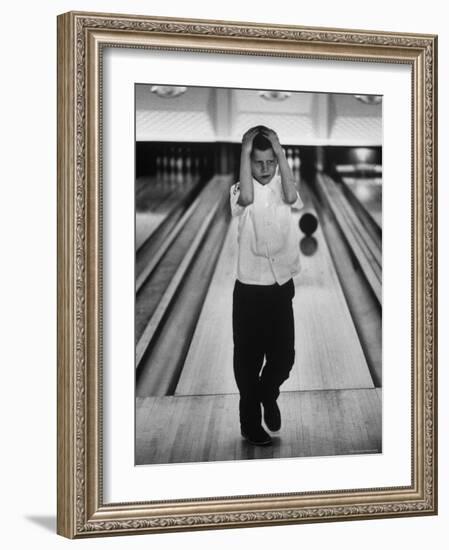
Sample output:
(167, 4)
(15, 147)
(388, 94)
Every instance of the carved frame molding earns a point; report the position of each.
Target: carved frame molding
(81, 38)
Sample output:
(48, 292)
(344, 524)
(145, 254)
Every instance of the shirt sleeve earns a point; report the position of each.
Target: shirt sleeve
(298, 204)
(236, 209)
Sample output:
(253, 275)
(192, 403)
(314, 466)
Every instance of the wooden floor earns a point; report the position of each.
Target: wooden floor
(329, 404)
(328, 350)
(155, 198)
(176, 429)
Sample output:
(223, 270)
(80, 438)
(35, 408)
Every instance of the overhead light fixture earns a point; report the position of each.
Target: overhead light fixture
(369, 99)
(168, 91)
(274, 95)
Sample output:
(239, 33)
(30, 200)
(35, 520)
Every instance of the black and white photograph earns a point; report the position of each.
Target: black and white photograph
(258, 274)
(247, 275)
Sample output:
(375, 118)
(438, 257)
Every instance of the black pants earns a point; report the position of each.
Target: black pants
(263, 329)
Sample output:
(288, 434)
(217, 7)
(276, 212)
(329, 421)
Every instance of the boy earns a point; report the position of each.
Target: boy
(268, 258)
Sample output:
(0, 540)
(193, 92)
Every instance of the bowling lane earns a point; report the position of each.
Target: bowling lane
(161, 283)
(328, 352)
(156, 197)
(369, 193)
(208, 365)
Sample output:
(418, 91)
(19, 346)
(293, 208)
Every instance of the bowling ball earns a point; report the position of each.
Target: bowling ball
(308, 223)
(308, 246)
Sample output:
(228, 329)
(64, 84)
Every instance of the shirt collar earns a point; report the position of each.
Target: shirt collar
(268, 186)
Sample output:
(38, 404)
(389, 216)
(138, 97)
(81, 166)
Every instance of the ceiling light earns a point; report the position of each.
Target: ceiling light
(369, 99)
(168, 91)
(274, 95)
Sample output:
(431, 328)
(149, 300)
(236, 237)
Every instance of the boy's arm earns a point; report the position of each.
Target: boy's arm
(246, 195)
(287, 180)
(236, 208)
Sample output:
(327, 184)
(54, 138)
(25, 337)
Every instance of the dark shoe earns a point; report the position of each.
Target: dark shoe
(257, 437)
(272, 416)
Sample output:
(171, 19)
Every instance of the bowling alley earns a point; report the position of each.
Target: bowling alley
(188, 167)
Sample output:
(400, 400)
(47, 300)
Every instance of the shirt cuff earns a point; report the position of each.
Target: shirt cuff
(298, 204)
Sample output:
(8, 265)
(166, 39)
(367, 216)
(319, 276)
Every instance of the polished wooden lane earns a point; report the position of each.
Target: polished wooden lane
(356, 196)
(160, 368)
(156, 199)
(369, 192)
(208, 365)
(175, 429)
(152, 285)
(328, 351)
(342, 222)
(172, 297)
(364, 248)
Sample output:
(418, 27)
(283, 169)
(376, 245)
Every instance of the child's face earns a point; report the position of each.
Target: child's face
(263, 165)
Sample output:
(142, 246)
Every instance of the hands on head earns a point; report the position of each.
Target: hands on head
(249, 135)
(248, 138)
(270, 135)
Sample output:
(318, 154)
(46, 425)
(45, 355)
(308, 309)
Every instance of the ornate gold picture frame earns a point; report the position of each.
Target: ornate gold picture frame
(82, 509)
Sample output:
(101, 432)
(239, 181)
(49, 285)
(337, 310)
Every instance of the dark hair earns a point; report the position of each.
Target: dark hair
(261, 143)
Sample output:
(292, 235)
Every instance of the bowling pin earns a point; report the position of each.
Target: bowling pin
(158, 170)
(197, 165)
(289, 158)
(188, 164)
(172, 166)
(165, 166)
(179, 167)
(296, 160)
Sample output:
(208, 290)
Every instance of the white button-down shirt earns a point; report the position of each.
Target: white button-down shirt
(268, 236)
